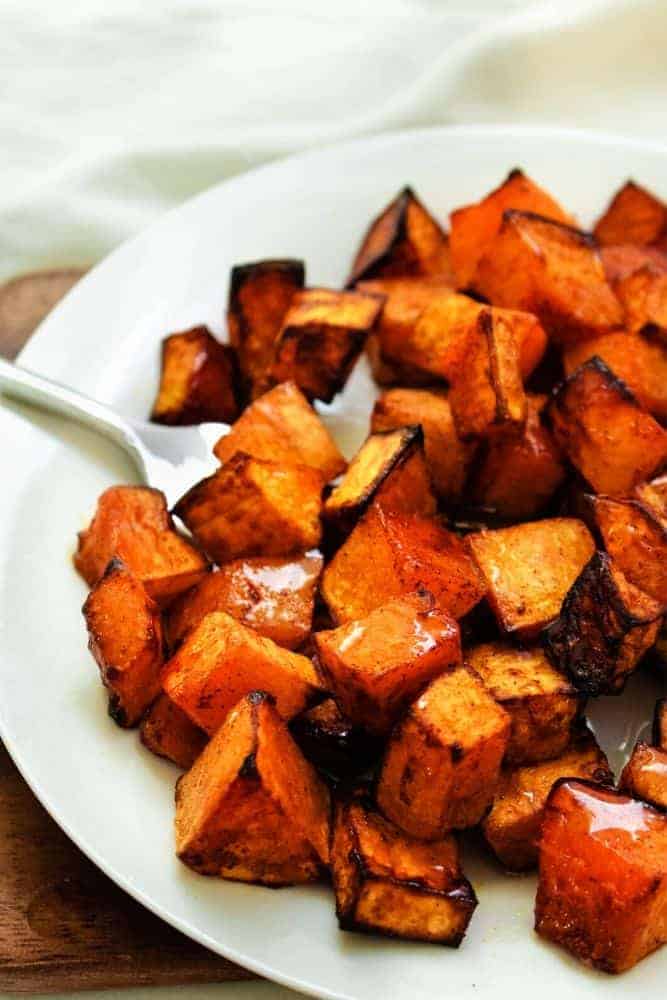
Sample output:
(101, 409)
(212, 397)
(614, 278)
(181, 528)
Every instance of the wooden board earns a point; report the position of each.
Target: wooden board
(65, 925)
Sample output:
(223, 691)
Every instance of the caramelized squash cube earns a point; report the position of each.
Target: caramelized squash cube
(389, 883)
(640, 362)
(281, 426)
(403, 240)
(473, 227)
(552, 270)
(252, 808)
(605, 627)
(441, 768)
(487, 396)
(125, 637)
(376, 666)
(390, 468)
(529, 568)
(132, 524)
(604, 432)
(660, 724)
(273, 596)
(645, 775)
(652, 497)
(390, 554)
(518, 473)
(643, 296)
(332, 742)
(623, 260)
(222, 660)
(633, 216)
(321, 338)
(636, 542)
(512, 827)
(602, 892)
(259, 296)
(253, 507)
(198, 380)
(447, 456)
(168, 732)
(541, 703)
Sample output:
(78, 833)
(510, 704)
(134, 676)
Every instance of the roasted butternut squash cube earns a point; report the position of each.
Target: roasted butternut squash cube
(529, 568)
(403, 240)
(253, 507)
(603, 430)
(390, 554)
(168, 732)
(634, 215)
(660, 724)
(518, 473)
(622, 260)
(541, 703)
(605, 627)
(273, 596)
(259, 296)
(281, 426)
(252, 808)
(447, 456)
(645, 775)
(441, 769)
(602, 892)
(377, 665)
(473, 227)
(641, 362)
(321, 338)
(636, 542)
(125, 637)
(222, 660)
(132, 524)
(390, 468)
(652, 497)
(552, 270)
(512, 827)
(332, 742)
(198, 380)
(487, 397)
(389, 883)
(643, 296)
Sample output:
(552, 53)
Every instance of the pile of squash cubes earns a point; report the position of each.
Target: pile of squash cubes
(355, 661)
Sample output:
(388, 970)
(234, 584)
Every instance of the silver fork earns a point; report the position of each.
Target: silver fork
(171, 459)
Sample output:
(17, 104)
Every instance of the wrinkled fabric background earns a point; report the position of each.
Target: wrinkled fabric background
(111, 113)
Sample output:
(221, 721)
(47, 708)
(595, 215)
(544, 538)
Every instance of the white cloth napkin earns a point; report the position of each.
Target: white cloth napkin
(112, 113)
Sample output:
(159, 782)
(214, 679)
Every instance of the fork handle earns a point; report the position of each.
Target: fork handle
(22, 384)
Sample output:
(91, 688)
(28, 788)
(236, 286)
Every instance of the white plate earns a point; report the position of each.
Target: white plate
(110, 796)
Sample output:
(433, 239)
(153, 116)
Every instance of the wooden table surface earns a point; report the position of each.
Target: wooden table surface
(65, 925)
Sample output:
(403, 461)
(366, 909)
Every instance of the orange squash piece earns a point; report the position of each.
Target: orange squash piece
(252, 808)
(473, 227)
(388, 883)
(403, 240)
(634, 216)
(282, 426)
(529, 568)
(602, 893)
(440, 771)
(168, 732)
(125, 637)
(636, 542)
(273, 596)
(645, 775)
(259, 296)
(376, 666)
(221, 660)
(132, 524)
(643, 296)
(603, 430)
(321, 338)
(198, 380)
(253, 507)
(552, 270)
(623, 260)
(332, 742)
(390, 554)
